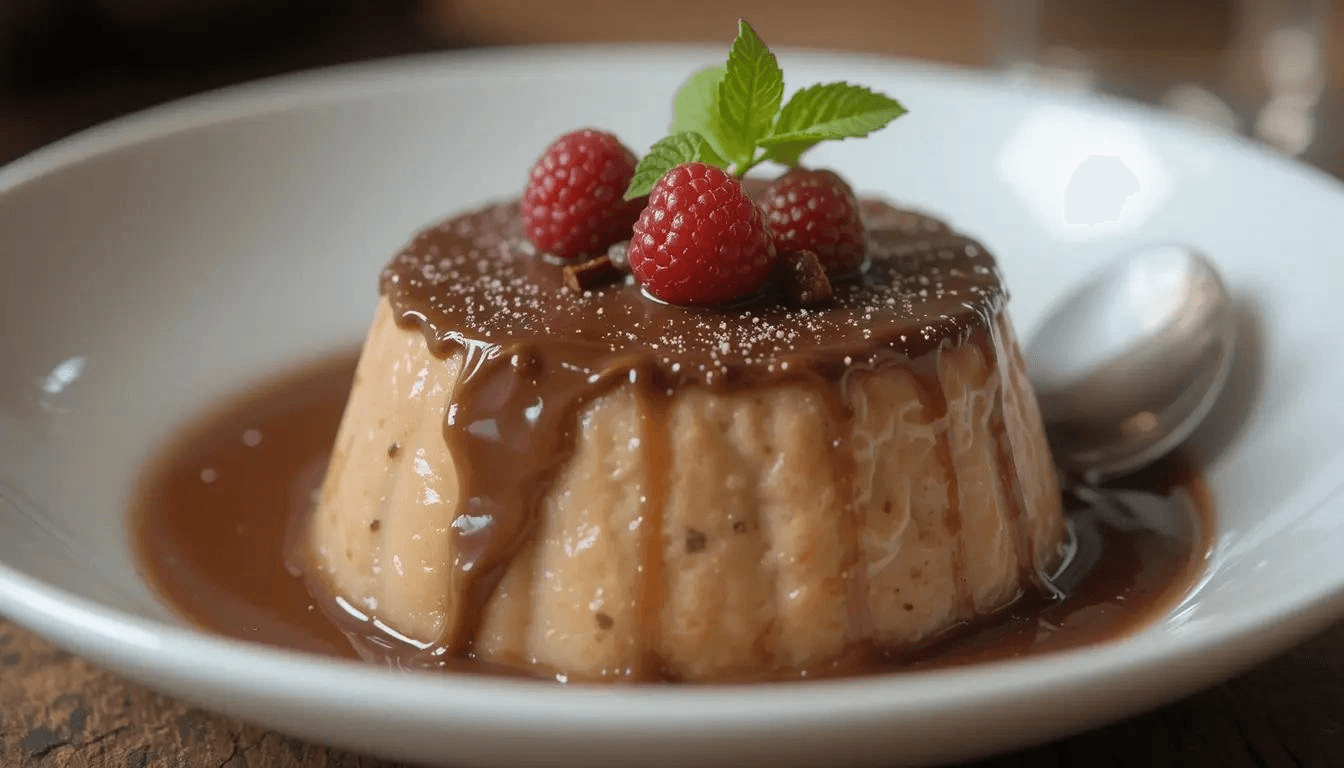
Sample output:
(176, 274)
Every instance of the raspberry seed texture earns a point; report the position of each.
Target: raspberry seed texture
(572, 207)
(701, 240)
(815, 210)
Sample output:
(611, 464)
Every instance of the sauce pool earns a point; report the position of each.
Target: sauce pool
(217, 510)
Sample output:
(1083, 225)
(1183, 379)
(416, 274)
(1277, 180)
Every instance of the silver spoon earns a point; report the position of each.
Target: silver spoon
(1129, 365)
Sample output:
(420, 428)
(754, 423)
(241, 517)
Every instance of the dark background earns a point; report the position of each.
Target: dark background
(68, 64)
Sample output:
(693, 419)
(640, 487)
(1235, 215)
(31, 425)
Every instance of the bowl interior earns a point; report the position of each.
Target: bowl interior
(153, 267)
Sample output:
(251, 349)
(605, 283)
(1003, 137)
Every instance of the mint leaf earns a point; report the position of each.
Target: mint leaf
(683, 147)
(750, 94)
(823, 112)
(790, 152)
(696, 109)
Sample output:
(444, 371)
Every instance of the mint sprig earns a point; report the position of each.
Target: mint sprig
(731, 116)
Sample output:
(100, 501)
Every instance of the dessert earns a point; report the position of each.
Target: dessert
(797, 431)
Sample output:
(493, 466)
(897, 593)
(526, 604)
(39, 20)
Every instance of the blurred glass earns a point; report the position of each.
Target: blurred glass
(1258, 67)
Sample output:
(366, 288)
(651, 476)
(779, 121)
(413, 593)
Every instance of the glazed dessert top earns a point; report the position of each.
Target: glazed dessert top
(475, 279)
(536, 351)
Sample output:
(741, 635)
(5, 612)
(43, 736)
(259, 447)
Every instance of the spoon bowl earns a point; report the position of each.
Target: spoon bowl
(1130, 363)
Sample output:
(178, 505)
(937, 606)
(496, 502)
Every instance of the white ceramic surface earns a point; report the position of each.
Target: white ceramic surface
(153, 265)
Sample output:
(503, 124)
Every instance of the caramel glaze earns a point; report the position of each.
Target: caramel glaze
(535, 353)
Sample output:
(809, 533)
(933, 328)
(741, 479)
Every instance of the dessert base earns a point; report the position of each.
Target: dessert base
(700, 535)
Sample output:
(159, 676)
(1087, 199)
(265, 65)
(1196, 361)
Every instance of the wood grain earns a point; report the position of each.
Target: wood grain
(59, 710)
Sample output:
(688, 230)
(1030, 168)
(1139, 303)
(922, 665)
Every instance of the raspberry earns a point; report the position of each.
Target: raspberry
(816, 211)
(701, 240)
(572, 206)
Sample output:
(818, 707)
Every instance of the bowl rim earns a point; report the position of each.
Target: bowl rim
(128, 642)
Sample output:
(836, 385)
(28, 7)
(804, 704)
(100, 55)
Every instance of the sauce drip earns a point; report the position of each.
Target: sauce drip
(215, 512)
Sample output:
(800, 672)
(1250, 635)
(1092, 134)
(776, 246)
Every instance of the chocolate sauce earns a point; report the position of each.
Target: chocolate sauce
(535, 353)
(215, 510)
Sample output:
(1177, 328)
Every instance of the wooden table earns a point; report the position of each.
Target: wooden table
(58, 710)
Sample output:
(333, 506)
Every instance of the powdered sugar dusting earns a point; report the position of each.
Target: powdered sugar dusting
(476, 278)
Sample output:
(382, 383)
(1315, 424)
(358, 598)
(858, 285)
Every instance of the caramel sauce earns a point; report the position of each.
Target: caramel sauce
(217, 512)
(651, 589)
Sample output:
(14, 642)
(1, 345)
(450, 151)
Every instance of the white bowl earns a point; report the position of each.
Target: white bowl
(158, 263)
